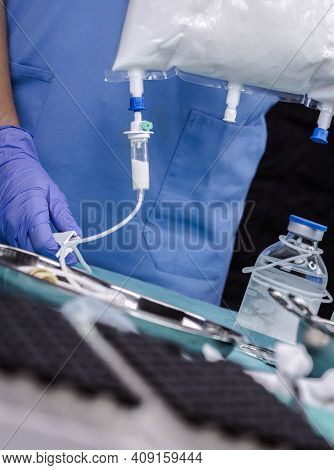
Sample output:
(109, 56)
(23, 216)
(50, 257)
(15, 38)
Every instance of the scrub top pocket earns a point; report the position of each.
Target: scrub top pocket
(191, 229)
(31, 87)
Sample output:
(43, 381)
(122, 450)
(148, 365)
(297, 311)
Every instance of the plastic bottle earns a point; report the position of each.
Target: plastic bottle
(293, 266)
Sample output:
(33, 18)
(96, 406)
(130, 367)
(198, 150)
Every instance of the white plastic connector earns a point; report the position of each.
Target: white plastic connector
(232, 101)
(326, 116)
(136, 78)
(135, 125)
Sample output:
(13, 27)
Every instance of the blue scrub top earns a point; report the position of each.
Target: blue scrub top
(201, 167)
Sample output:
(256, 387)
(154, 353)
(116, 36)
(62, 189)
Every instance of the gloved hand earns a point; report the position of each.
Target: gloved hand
(29, 200)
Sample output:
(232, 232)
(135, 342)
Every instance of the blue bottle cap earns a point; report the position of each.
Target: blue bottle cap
(306, 228)
(320, 136)
(308, 223)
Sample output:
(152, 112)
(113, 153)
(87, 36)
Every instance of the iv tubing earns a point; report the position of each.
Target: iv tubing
(304, 255)
(136, 79)
(74, 243)
(119, 225)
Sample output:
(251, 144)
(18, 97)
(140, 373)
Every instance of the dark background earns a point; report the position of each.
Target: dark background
(296, 176)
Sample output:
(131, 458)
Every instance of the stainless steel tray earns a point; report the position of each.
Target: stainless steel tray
(135, 305)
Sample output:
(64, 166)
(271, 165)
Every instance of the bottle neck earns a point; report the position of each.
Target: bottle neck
(301, 241)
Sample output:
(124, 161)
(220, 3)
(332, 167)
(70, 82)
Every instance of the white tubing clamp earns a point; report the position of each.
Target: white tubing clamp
(64, 237)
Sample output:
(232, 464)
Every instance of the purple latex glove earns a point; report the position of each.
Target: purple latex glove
(29, 200)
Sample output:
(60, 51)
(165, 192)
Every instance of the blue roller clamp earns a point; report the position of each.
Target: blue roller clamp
(320, 136)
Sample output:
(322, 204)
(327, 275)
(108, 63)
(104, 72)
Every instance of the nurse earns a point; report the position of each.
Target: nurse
(62, 134)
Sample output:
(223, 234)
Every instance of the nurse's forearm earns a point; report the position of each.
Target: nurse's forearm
(8, 114)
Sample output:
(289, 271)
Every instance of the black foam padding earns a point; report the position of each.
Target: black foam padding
(217, 393)
(40, 340)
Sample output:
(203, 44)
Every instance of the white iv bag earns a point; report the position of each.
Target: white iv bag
(284, 46)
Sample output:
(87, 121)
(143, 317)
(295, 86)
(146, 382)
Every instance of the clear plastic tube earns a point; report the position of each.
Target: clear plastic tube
(117, 226)
(139, 164)
(139, 151)
(73, 245)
